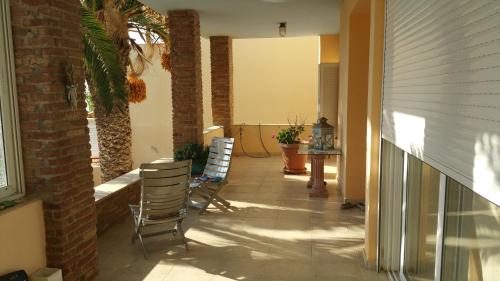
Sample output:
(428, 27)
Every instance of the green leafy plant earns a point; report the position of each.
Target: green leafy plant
(102, 61)
(196, 152)
(89, 101)
(291, 134)
(107, 25)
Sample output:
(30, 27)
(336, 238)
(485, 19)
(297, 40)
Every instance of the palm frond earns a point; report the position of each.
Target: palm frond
(130, 7)
(144, 22)
(102, 61)
(141, 61)
(93, 5)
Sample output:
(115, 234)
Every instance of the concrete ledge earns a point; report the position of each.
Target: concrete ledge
(113, 197)
(106, 189)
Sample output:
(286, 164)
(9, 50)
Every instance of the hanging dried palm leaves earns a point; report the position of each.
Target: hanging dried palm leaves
(137, 89)
(165, 61)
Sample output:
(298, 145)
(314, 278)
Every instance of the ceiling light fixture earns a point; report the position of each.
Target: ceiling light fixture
(282, 29)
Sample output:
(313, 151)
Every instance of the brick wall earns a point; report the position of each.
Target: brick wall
(221, 57)
(187, 99)
(114, 208)
(55, 141)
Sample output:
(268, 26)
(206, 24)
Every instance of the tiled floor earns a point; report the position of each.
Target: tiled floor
(274, 232)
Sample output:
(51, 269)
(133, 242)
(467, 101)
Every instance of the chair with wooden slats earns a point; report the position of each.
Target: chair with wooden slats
(164, 199)
(215, 175)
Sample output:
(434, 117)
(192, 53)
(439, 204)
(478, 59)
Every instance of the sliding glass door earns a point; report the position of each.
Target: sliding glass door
(471, 236)
(391, 196)
(422, 206)
(432, 228)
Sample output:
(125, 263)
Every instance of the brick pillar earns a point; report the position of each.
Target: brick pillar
(187, 98)
(55, 139)
(221, 57)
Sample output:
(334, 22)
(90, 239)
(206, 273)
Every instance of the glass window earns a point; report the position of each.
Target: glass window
(472, 236)
(10, 166)
(391, 195)
(421, 221)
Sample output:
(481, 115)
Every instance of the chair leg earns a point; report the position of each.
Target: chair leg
(134, 237)
(222, 201)
(205, 206)
(142, 244)
(181, 231)
(134, 234)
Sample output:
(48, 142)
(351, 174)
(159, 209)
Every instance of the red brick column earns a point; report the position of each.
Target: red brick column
(221, 56)
(55, 140)
(185, 59)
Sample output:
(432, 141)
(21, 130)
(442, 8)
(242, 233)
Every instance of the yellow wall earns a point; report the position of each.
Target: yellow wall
(353, 88)
(329, 48)
(375, 72)
(361, 62)
(151, 119)
(209, 133)
(22, 238)
(275, 79)
(251, 138)
(206, 82)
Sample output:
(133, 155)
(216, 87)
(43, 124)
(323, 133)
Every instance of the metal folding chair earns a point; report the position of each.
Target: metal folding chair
(164, 199)
(215, 175)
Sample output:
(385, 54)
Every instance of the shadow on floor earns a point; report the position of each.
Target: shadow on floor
(273, 232)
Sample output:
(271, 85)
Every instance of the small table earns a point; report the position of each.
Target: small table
(317, 180)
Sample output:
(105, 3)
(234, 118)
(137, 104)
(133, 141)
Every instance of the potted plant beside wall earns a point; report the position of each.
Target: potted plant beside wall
(197, 153)
(289, 141)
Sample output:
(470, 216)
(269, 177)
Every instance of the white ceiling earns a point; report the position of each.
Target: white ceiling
(258, 18)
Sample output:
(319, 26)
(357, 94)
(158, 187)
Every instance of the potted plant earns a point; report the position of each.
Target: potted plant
(289, 141)
(197, 153)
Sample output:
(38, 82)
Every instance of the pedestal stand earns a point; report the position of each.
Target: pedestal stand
(318, 186)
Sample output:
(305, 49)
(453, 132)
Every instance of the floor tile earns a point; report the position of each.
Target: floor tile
(272, 232)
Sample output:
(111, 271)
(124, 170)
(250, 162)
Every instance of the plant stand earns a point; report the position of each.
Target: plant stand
(317, 180)
(318, 186)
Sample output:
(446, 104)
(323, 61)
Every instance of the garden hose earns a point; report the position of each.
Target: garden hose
(268, 154)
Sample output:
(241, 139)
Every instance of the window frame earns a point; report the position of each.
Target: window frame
(9, 110)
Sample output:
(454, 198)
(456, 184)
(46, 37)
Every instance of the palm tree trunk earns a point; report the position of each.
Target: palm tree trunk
(114, 136)
(114, 133)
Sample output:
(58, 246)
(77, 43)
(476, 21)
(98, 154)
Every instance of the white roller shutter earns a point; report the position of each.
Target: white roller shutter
(441, 90)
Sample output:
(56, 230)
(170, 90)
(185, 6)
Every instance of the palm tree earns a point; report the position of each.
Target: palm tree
(110, 92)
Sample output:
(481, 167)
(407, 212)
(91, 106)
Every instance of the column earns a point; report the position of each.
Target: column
(187, 99)
(55, 141)
(318, 176)
(221, 57)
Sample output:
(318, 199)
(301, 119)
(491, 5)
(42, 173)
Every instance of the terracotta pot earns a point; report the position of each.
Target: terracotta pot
(293, 163)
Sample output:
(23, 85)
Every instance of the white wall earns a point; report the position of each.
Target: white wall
(152, 119)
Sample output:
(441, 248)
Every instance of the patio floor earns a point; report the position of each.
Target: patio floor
(275, 232)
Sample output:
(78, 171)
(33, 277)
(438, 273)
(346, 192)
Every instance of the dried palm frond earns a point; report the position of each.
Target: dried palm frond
(137, 89)
(115, 21)
(165, 61)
